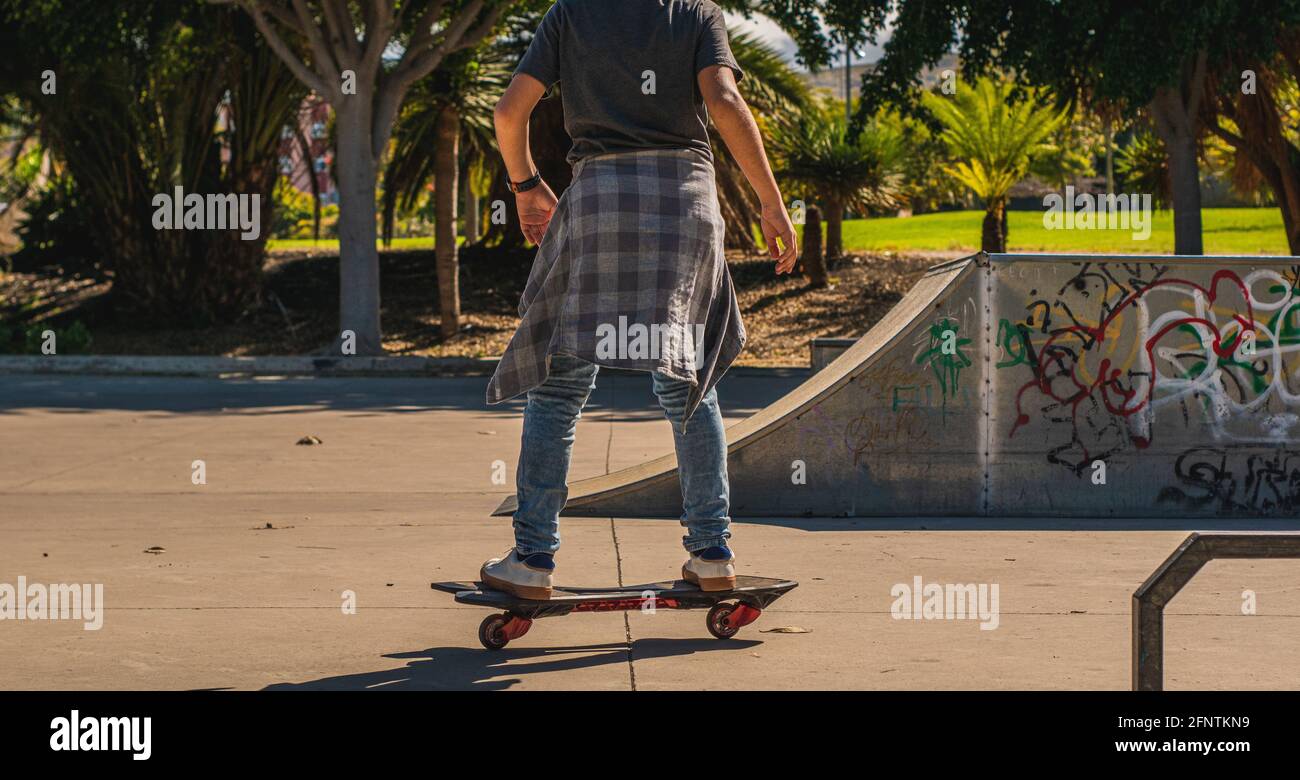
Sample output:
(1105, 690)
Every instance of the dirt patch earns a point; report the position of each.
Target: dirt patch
(782, 315)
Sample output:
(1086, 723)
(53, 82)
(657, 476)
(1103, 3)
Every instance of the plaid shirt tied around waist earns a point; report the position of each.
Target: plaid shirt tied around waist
(630, 274)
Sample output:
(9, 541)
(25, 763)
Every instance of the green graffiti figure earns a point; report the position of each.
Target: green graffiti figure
(1014, 343)
(945, 356)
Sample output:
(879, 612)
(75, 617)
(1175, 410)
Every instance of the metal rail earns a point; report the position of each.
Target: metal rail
(1150, 599)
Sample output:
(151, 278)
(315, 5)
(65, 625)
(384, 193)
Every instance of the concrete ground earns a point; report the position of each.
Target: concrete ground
(248, 590)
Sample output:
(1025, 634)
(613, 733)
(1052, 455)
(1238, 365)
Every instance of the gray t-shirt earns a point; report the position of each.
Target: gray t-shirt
(628, 71)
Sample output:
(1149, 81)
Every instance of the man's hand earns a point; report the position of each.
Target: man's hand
(776, 225)
(535, 209)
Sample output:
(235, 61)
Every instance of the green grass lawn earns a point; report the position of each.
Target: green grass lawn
(332, 244)
(1244, 231)
(1226, 232)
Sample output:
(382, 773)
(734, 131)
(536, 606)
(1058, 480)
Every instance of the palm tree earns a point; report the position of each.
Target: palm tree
(479, 170)
(992, 138)
(480, 161)
(925, 186)
(840, 170)
(1144, 164)
(449, 109)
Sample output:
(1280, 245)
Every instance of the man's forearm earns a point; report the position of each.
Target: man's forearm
(511, 121)
(740, 132)
(512, 140)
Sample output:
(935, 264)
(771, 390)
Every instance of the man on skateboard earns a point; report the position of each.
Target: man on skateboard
(630, 269)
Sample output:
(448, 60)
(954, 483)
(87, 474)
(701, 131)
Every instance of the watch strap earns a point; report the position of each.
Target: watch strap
(526, 184)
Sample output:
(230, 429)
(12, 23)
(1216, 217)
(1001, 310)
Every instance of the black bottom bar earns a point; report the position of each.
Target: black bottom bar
(200, 729)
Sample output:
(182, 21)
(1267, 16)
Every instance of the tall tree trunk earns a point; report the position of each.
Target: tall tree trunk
(814, 264)
(446, 166)
(1110, 156)
(1185, 182)
(834, 229)
(1290, 223)
(358, 255)
(472, 207)
(1280, 170)
(1278, 163)
(1262, 141)
(1285, 184)
(310, 162)
(1175, 111)
(994, 237)
(471, 214)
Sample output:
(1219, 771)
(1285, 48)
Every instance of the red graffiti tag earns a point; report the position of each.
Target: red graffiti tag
(1116, 399)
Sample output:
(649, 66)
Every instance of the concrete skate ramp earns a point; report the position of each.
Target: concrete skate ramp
(1034, 385)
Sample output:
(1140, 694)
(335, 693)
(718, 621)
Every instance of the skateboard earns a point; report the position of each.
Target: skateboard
(729, 610)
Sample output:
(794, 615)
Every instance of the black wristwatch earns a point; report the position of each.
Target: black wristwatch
(526, 184)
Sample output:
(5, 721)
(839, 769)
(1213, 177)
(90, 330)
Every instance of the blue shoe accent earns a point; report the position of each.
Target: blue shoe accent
(539, 561)
(715, 554)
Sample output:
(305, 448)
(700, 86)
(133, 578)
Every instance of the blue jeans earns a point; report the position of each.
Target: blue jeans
(550, 419)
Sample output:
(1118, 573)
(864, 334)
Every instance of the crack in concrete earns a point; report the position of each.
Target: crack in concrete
(618, 555)
(627, 624)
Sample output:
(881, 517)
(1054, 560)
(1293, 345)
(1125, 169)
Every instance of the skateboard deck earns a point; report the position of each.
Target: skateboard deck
(728, 609)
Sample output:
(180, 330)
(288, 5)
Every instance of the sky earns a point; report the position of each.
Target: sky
(768, 31)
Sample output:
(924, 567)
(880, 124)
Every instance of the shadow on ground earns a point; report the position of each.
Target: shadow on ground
(1014, 524)
(629, 396)
(461, 668)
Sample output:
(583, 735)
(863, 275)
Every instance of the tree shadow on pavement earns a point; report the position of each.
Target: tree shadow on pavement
(966, 524)
(464, 668)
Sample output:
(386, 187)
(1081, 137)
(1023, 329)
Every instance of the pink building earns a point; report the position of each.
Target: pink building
(313, 124)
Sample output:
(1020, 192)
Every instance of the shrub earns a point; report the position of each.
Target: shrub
(17, 340)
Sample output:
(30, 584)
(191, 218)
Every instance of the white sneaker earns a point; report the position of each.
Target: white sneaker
(510, 574)
(710, 575)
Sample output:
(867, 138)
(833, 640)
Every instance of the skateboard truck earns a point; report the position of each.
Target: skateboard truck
(497, 630)
(516, 627)
(743, 615)
(725, 619)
